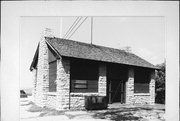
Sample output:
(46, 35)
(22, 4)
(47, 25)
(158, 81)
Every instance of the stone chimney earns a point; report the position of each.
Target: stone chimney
(42, 86)
(47, 32)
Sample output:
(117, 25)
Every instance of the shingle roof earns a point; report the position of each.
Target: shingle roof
(76, 49)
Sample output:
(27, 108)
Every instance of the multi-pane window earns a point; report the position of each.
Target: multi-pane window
(141, 80)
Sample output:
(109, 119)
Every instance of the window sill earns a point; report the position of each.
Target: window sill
(52, 93)
(84, 94)
(141, 94)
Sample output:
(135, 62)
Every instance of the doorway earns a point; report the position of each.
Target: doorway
(116, 77)
(116, 91)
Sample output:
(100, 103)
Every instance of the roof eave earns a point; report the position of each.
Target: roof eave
(58, 56)
(145, 63)
(35, 58)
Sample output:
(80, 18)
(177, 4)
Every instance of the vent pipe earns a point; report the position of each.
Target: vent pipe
(91, 29)
(61, 27)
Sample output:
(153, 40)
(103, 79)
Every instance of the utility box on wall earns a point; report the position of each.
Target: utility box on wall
(95, 102)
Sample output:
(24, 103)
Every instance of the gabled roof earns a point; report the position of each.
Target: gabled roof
(69, 48)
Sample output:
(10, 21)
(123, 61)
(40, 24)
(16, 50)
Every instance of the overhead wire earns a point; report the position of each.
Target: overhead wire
(72, 26)
(77, 27)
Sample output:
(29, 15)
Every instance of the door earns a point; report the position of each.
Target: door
(115, 91)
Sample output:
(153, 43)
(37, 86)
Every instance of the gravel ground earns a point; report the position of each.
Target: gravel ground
(115, 112)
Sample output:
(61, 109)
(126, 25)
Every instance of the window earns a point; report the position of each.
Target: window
(52, 76)
(84, 76)
(80, 84)
(141, 80)
(84, 85)
(141, 88)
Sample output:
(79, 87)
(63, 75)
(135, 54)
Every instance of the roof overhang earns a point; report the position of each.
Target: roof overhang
(35, 58)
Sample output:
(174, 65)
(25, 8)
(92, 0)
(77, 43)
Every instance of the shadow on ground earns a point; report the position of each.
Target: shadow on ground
(122, 113)
(118, 114)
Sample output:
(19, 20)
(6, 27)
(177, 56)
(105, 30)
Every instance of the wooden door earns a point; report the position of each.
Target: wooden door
(115, 91)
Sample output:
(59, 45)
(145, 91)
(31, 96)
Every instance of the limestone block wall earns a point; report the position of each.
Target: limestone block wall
(42, 85)
(52, 101)
(102, 82)
(141, 98)
(34, 74)
(152, 88)
(130, 87)
(77, 100)
(63, 84)
(147, 98)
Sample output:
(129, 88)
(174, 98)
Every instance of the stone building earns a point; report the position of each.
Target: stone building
(65, 71)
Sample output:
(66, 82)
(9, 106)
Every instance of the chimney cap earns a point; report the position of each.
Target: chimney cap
(47, 32)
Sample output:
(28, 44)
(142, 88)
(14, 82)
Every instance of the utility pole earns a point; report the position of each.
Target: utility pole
(91, 29)
(61, 23)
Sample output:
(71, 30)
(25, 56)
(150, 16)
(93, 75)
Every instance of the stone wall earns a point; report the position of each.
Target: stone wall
(42, 85)
(34, 74)
(152, 88)
(52, 101)
(141, 98)
(130, 87)
(77, 100)
(60, 100)
(102, 80)
(147, 98)
(63, 84)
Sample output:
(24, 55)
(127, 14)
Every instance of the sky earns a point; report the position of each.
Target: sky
(144, 35)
